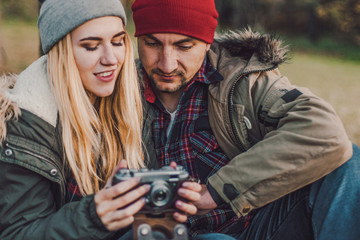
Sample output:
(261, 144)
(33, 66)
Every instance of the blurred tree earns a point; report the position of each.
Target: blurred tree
(2, 51)
(303, 18)
(235, 13)
(313, 18)
(127, 3)
(23, 9)
(342, 17)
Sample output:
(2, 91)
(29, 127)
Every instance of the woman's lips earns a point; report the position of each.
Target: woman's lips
(106, 76)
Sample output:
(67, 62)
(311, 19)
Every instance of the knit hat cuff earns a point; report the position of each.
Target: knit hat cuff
(58, 18)
(192, 21)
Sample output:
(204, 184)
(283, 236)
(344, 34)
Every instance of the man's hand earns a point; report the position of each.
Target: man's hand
(206, 202)
(190, 191)
(199, 200)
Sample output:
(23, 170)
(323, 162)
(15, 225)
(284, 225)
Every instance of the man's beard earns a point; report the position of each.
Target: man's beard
(157, 87)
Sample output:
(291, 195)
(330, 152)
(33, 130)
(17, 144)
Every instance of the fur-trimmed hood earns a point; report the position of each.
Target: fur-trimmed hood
(244, 43)
(8, 109)
(30, 91)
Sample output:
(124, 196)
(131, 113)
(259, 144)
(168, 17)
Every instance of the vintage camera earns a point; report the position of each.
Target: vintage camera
(164, 183)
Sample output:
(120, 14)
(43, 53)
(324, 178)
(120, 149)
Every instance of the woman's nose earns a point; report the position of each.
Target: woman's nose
(109, 57)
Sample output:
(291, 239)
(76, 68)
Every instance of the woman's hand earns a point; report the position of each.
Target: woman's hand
(116, 206)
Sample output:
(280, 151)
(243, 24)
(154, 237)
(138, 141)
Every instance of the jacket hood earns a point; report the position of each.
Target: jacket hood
(246, 43)
(30, 91)
(8, 109)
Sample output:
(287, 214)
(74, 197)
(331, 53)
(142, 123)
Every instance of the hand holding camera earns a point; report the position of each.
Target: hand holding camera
(116, 205)
(167, 203)
(163, 182)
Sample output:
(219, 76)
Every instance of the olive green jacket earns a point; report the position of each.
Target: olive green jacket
(279, 137)
(32, 176)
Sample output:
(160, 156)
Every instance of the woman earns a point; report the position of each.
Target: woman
(66, 123)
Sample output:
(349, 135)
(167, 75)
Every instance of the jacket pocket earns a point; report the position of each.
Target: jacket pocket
(33, 156)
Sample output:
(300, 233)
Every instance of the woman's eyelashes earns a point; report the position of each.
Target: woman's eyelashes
(93, 47)
(90, 48)
(118, 43)
(90, 45)
(118, 40)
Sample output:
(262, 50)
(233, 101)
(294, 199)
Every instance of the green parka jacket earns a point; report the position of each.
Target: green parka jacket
(32, 176)
(279, 137)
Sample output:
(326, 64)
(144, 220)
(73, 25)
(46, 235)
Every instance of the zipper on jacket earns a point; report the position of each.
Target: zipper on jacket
(230, 99)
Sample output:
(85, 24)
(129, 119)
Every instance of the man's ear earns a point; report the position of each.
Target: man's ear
(208, 45)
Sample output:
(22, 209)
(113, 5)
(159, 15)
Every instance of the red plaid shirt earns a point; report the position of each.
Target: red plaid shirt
(192, 144)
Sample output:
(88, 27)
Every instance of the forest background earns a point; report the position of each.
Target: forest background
(323, 35)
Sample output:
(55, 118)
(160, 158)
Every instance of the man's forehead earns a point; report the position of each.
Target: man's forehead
(170, 37)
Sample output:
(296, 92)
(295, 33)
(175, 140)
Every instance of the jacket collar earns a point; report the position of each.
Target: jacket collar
(32, 92)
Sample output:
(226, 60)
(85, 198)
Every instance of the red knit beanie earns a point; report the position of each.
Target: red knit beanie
(194, 18)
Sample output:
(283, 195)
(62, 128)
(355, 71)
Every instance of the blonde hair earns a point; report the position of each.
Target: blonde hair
(96, 139)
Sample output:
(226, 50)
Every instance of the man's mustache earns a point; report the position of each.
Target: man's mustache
(173, 73)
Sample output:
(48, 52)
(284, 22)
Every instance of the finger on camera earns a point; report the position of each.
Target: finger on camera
(106, 207)
(189, 195)
(191, 185)
(123, 187)
(110, 192)
(124, 217)
(122, 164)
(180, 217)
(173, 165)
(118, 225)
(128, 212)
(131, 196)
(187, 208)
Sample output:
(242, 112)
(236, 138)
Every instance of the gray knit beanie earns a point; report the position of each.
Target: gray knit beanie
(59, 17)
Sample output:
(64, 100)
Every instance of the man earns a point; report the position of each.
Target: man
(273, 158)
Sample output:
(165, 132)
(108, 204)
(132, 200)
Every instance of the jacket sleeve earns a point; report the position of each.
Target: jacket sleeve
(28, 211)
(303, 140)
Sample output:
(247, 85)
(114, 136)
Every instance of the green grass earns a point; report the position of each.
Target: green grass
(20, 42)
(325, 46)
(334, 79)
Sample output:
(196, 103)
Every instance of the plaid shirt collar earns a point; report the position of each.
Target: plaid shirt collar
(207, 74)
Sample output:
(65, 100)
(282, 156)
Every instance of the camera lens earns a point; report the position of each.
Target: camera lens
(160, 193)
(160, 196)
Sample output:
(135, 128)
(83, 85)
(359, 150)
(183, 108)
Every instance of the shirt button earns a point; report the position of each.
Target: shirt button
(53, 172)
(246, 210)
(8, 152)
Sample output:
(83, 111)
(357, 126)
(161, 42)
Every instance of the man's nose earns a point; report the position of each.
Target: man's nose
(109, 56)
(168, 61)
